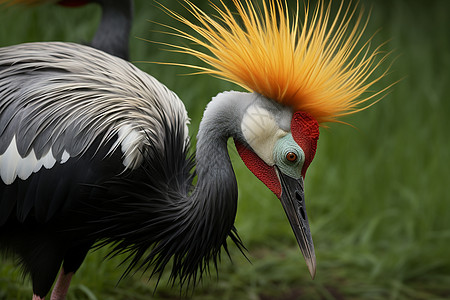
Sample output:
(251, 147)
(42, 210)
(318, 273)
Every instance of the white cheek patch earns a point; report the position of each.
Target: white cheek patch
(261, 132)
(13, 165)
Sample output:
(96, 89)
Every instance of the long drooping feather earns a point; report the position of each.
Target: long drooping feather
(175, 225)
(316, 66)
(101, 111)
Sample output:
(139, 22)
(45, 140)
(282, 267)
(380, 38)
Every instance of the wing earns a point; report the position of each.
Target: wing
(58, 99)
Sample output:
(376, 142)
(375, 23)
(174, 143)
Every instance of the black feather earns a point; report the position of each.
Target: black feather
(152, 214)
(153, 217)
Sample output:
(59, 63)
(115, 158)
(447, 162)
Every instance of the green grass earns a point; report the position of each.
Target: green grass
(377, 194)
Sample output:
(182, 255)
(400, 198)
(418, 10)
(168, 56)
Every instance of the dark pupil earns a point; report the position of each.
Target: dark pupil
(291, 156)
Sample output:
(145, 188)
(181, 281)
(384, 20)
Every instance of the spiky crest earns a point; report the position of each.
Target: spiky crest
(314, 66)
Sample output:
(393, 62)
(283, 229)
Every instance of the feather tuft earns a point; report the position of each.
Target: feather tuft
(315, 65)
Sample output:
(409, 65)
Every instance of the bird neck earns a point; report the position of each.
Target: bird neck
(215, 194)
(221, 120)
(114, 30)
(156, 207)
(207, 215)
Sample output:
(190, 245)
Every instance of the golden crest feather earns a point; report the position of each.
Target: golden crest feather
(313, 66)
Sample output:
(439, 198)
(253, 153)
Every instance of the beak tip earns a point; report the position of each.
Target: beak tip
(311, 267)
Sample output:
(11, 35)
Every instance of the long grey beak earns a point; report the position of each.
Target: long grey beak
(293, 201)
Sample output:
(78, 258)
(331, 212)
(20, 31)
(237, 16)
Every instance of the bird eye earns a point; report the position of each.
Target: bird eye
(291, 156)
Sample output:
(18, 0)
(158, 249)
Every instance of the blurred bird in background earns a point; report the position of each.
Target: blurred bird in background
(95, 152)
(113, 33)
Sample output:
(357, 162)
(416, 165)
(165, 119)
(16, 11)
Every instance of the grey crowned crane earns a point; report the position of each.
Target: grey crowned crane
(113, 33)
(95, 152)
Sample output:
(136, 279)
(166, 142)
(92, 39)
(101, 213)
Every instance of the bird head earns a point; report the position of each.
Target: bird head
(299, 73)
(279, 155)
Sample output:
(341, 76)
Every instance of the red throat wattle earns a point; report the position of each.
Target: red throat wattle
(259, 168)
(305, 132)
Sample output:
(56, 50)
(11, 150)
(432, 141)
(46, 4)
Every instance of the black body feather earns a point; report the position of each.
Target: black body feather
(59, 214)
(173, 223)
(150, 211)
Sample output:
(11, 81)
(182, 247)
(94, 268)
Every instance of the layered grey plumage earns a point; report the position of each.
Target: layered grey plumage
(41, 81)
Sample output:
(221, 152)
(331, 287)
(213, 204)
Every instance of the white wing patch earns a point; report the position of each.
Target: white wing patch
(48, 160)
(130, 141)
(13, 165)
(65, 157)
(9, 162)
(28, 165)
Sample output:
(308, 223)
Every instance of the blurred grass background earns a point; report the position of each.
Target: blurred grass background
(377, 194)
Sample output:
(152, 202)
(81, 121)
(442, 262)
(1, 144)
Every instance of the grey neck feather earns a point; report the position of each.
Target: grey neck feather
(114, 30)
(221, 120)
(216, 187)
